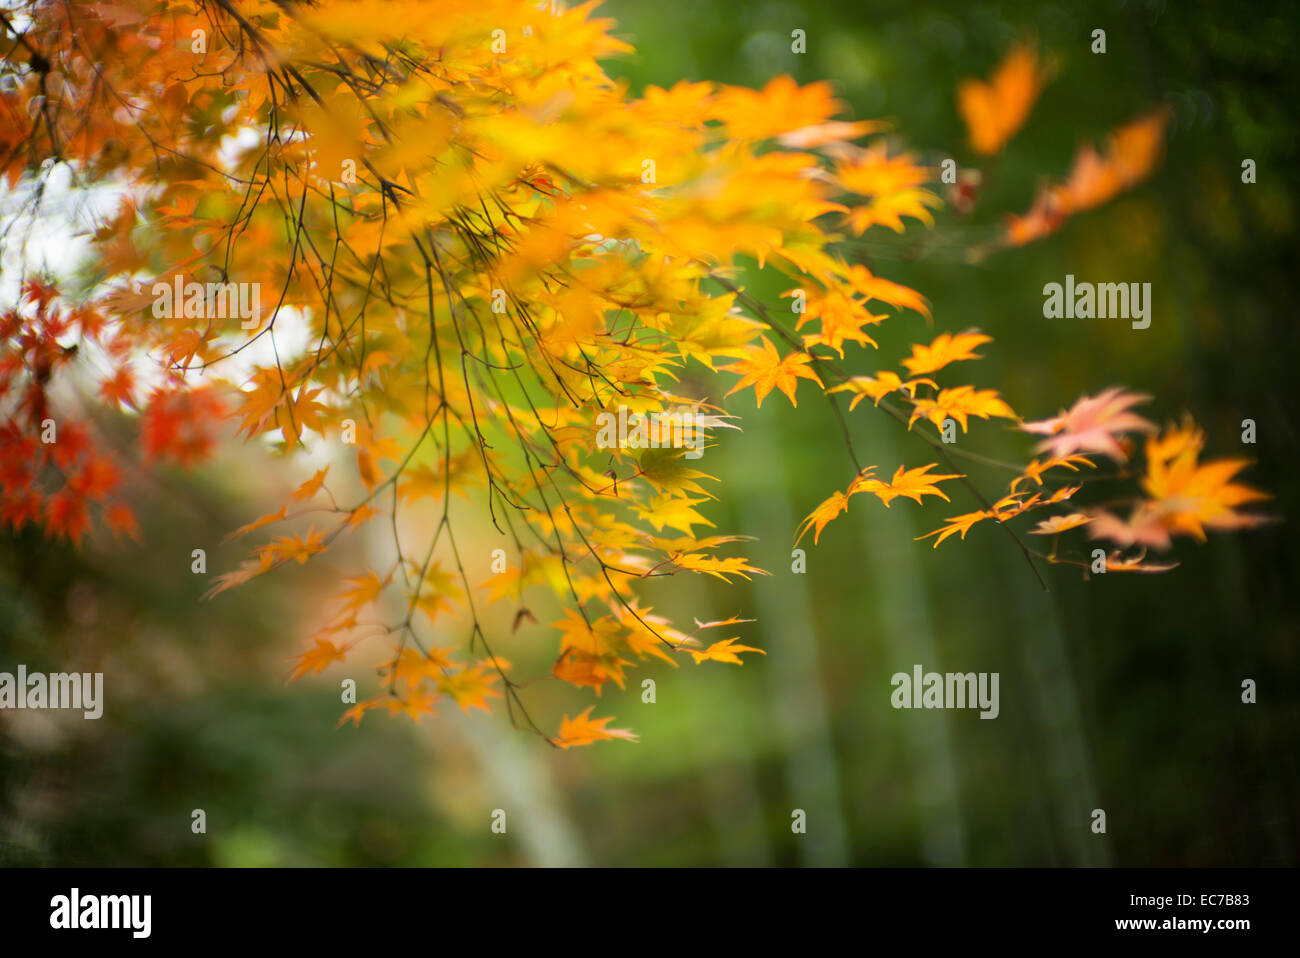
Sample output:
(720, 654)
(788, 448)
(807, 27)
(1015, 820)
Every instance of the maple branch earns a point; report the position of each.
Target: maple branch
(785, 334)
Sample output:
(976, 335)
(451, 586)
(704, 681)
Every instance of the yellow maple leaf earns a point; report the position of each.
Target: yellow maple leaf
(909, 483)
(889, 211)
(822, 515)
(958, 403)
(884, 383)
(957, 524)
(338, 132)
(945, 349)
(1034, 471)
(676, 512)
(436, 592)
(724, 651)
(716, 566)
(469, 687)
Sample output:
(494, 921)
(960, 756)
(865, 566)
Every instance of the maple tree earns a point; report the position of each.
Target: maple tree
(489, 244)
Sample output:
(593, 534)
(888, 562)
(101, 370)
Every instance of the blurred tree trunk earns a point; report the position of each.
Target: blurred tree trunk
(793, 656)
(897, 582)
(519, 781)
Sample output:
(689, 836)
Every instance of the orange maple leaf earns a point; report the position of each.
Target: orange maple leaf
(412, 666)
(1131, 154)
(895, 294)
(995, 110)
(365, 589)
(265, 520)
(780, 107)
(842, 319)
(584, 731)
(765, 369)
(310, 487)
(316, 659)
(298, 548)
(414, 705)
(1187, 496)
(358, 711)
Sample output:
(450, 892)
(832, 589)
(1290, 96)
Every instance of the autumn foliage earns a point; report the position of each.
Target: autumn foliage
(488, 244)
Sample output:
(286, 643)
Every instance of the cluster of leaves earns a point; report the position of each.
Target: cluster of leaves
(996, 109)
(52, 473)
(489, 245)
(1177, 494)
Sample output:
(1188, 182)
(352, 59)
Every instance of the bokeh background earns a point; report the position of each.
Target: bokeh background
(1120, 693)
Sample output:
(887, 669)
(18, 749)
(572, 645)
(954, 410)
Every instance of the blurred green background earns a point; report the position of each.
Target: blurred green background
(1121, 693)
